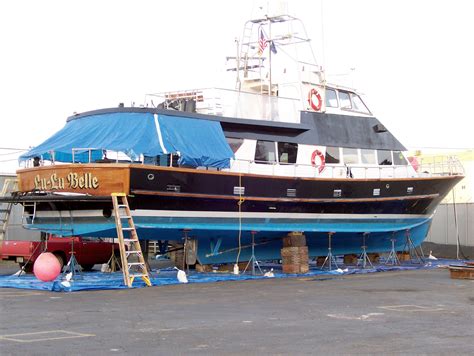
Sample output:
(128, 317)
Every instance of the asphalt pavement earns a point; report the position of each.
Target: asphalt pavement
(402, 312)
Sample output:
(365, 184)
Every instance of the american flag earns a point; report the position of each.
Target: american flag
(262, 42)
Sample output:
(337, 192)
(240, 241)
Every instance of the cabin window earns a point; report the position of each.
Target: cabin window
(399, 159)
(331, 98)
(287, 152)
(368, 156)
(163, 160)
(345, 100)
(385, 157)
(350, 155)
(174, 160)
(150, 160)
(332, 155)
(234, 143)
(265, 152)
(358, 104)
(160, 160)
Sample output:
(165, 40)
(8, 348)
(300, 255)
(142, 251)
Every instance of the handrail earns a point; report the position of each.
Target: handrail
(441, 165)
(447, 165)
(87, 149)
(232, 103)
(451, 167)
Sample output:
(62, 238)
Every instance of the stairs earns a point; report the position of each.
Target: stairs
(9, 186)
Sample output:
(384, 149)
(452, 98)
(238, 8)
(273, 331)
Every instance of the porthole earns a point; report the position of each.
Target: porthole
(151, 176)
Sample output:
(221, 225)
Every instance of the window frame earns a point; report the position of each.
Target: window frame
(339, 91)
(336, 95)
(351, 94)
(278, 152)
(339, 153)
(374, 151)
(391, 157)
(357, 154)
(235, 138)
(405, 160)
(266, 162)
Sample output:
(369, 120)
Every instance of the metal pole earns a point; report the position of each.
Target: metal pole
(253, 253)
(237, 67)
(364, 247)
(330, 251)
(270, 61)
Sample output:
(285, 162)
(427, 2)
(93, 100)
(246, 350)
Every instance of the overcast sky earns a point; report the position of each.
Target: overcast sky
(413, 59)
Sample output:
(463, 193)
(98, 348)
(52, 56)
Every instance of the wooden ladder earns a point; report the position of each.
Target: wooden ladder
(9, 186)
(133, 262)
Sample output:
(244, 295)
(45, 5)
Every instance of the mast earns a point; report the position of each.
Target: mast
(290, 34)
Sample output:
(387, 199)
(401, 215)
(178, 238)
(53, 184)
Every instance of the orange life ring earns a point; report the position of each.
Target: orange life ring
(320, 155)
(314, 93)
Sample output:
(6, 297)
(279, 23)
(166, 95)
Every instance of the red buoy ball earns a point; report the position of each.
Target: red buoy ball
(47, 267)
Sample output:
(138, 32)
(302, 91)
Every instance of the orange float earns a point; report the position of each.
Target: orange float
(314, 100)
(318, 154)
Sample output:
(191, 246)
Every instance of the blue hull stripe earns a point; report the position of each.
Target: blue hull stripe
(225, 231)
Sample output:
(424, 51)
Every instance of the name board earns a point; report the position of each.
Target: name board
(70, 181)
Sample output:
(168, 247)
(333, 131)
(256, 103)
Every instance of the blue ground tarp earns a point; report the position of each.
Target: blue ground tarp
(106, 281)
(199, 142)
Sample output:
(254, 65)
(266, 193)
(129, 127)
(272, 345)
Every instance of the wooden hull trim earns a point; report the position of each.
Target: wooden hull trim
(294, 200)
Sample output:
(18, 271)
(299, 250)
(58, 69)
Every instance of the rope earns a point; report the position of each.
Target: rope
(22, 268)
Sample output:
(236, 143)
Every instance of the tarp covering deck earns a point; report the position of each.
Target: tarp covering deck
(199, 142)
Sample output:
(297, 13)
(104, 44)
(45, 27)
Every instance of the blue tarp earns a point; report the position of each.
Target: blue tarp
(104, 281)
(199, 142)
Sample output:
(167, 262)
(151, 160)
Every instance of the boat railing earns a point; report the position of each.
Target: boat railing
(89, 151)
(452, 167)
(440, 165)
(425, 167)
(229, 103)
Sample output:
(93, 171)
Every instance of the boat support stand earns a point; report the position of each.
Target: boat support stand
(330, 259)
(363, 256)
(392, 258)
(253, 260)
(410, 247)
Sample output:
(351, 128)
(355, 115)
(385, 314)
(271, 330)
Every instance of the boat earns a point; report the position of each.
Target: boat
(231, 171)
